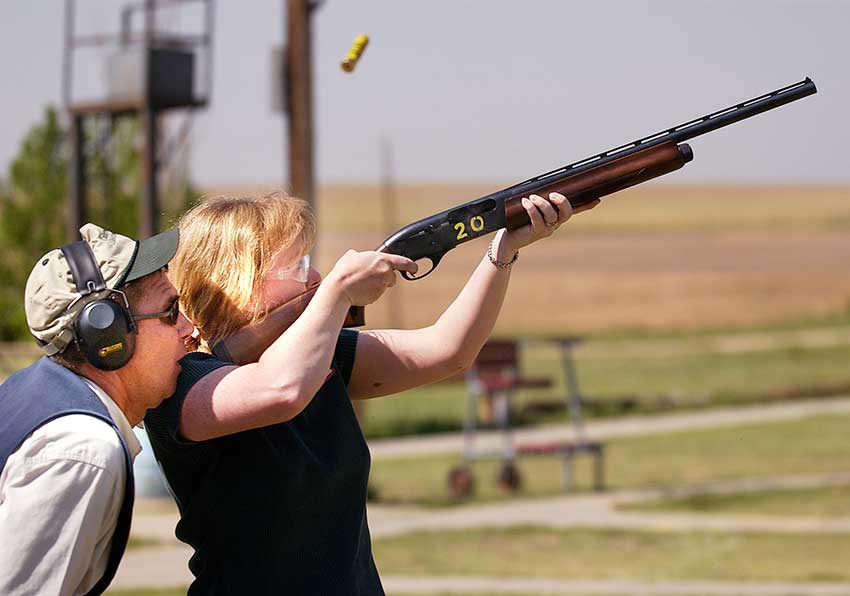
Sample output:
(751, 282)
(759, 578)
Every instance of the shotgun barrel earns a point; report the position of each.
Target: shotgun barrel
(432, 237)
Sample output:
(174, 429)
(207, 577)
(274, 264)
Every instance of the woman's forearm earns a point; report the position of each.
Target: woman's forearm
(468, 321)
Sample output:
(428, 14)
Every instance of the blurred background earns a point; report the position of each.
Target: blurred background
(667, 408)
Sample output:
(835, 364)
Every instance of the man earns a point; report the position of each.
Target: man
(107, 317)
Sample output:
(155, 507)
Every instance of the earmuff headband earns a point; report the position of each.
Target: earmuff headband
(84, 269)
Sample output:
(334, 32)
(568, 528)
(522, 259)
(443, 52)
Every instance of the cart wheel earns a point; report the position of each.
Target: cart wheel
(461, 483)
(509, 478)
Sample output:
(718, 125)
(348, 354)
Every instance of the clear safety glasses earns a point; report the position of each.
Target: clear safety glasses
(298, 271)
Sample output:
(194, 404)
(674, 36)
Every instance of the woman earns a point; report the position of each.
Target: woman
(267, 461)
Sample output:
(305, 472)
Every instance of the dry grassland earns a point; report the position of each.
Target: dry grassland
(653, 257)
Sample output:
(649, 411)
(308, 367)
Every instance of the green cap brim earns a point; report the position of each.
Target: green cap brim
(152, 254)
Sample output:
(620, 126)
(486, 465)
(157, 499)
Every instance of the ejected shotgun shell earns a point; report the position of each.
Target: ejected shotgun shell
(360, 43)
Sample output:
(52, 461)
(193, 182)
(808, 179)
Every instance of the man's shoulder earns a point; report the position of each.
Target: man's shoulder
(76, 437)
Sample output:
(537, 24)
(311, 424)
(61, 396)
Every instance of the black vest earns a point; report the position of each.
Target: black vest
(43, 392)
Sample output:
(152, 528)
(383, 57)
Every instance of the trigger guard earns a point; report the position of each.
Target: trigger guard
(434, 262)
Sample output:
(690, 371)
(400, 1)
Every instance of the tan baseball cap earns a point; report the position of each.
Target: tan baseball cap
(51, 299)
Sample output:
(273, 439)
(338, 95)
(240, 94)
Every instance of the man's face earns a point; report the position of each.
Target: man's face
(154, 367)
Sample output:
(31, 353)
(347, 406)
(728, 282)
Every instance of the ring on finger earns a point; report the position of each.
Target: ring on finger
(552, 225)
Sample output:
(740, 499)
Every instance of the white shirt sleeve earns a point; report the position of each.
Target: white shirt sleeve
(60, 495)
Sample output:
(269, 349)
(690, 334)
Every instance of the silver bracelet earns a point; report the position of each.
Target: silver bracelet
(500, 264)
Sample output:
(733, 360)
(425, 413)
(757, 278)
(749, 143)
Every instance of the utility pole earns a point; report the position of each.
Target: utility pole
(299, 98)
(390, 211)
(149, 205)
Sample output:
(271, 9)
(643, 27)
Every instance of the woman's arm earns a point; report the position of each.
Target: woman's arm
(389, 361)
(291, 371)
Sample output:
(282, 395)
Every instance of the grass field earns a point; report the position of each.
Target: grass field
(615, 554)
(828, 502)
(629, 383)
(622, 376)
(816, 445)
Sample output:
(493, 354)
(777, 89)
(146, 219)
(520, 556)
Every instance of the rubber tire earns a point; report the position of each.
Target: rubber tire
(460, 483)
(509, 478)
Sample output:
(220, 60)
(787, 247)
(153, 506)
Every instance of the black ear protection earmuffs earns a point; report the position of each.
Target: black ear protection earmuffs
(104, 330)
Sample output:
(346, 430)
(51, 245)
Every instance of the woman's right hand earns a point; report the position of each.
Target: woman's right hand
(363, 277)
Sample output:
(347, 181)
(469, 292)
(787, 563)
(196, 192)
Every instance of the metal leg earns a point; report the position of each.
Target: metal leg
(569, 472)
(573, 392)
(502, 411)
(599, 469)
(470, 423)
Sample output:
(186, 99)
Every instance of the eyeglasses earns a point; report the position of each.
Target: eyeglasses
(298, 271)
(169, 316)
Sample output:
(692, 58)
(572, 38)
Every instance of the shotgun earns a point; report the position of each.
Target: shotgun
(581, 182)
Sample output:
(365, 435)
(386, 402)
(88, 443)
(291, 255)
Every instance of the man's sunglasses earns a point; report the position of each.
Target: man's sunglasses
(169, 316)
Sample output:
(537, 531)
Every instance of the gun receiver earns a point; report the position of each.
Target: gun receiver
(581, 182)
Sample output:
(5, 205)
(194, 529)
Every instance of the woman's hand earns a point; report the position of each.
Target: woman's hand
(364, 276)
(546, 217)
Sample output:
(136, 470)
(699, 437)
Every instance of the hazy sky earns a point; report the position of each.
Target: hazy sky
(493, 90)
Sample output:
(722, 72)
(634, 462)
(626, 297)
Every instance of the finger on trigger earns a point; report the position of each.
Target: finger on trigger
(404, 264)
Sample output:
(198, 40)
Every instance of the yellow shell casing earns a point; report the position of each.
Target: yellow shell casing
(353, 55)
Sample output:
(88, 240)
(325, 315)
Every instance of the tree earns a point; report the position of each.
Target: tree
(32, 200)
(31, 216)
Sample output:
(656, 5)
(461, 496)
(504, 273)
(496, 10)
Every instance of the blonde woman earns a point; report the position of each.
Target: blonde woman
(267, 461)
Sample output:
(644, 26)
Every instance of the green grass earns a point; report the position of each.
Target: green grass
(610, 554)
(628, 384)
(827, 502)
(816, 445)
(839, 318)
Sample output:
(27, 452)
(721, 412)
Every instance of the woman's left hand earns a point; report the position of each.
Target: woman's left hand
(546, 217)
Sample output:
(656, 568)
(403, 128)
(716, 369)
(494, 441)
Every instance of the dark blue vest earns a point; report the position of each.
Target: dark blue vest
(40, 393)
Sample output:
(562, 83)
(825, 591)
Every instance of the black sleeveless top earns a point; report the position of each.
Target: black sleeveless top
(275, 510)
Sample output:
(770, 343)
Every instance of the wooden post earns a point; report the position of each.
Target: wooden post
(77, 171)
(149, 205)
(299, 100)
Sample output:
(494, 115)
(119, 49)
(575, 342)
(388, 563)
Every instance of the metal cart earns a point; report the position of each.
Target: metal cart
(492, 381)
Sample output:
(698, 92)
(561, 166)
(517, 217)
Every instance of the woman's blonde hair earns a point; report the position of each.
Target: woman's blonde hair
(227, 245)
